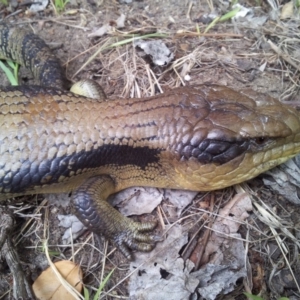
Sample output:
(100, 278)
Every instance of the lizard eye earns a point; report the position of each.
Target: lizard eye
(260, 140)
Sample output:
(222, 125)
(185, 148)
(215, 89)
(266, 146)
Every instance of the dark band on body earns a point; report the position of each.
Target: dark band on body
(48, 171)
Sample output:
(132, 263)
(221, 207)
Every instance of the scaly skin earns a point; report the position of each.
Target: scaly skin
(30, 51)
(198, 138)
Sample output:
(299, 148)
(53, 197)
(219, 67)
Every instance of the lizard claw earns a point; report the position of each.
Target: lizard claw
(134, 236)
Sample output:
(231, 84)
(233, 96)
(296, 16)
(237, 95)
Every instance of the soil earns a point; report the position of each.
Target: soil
(231, 53)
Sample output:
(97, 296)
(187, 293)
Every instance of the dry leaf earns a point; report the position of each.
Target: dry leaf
(224, 230)
(162, 273)
(287, 10)
(47, 285)
(160, 54)
(137, 200)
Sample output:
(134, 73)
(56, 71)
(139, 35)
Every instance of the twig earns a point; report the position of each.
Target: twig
(283, 55)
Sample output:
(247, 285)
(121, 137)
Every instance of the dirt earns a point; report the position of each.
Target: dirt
(230, 54)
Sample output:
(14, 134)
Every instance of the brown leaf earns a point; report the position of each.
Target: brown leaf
(48, 286)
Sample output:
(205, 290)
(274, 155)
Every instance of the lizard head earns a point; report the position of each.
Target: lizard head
(231, 137)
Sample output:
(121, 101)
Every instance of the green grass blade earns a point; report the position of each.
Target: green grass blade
(10, 73)
(102, 285)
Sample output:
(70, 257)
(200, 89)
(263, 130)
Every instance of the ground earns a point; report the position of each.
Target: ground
(238, 53)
